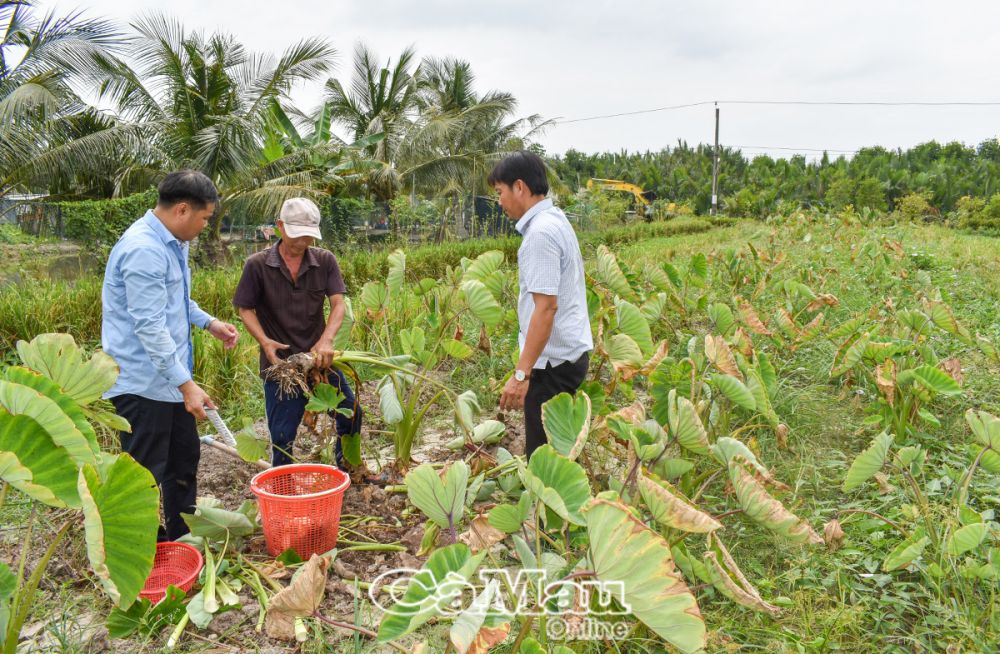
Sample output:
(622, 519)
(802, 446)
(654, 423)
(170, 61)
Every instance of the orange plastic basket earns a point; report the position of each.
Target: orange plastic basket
(300, 507)
(176, 564)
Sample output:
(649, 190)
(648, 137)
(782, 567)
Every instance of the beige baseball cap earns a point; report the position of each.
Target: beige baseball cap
(301, 218)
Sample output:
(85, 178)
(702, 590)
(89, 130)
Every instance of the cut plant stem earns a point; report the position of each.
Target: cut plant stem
(374, 547)
(175, 635)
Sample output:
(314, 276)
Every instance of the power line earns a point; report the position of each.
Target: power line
(776, 147)
(632, 113)
(828, 103)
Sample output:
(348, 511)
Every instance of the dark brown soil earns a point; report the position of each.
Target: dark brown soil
(370, 514)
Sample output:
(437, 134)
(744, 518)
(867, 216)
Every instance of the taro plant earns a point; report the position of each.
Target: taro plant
(575, 519)
(939, 532)
(628, 312)
(219, 533)
(896, 358)
(326, 399)
(427, 322)
(299, 373)
(49, 451)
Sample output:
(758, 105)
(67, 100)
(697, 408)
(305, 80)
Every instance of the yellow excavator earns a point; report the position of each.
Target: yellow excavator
(642, 198)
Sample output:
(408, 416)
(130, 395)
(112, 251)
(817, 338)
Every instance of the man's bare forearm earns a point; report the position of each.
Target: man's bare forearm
(252, 323)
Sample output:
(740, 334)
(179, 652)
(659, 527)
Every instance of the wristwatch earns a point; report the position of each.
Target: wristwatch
(520, 375)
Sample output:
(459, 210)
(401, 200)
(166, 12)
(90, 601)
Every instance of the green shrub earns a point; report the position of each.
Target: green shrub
(978, 214)
(745, 204)
(103, 221)
(12, 235)
(338, 215)
(916, 206)
(869, 195)
(839, 194)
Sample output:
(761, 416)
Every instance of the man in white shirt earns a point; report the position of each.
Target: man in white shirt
(554, 333)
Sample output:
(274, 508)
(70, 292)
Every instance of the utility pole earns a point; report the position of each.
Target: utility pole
(715, 166)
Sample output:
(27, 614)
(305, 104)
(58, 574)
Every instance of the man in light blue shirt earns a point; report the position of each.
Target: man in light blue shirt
(554, 335)
(146, 327)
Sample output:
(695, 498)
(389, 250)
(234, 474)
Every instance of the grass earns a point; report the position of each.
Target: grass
(833, 601)
(841, 601)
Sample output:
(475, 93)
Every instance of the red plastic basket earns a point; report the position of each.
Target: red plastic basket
(176, 564)
(300, 507)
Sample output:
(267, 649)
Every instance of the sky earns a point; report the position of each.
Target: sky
(571, 60)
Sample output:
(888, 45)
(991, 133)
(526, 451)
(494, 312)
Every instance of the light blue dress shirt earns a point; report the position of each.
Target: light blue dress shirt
(148, 312)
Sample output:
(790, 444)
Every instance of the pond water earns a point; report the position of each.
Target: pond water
(54, 262)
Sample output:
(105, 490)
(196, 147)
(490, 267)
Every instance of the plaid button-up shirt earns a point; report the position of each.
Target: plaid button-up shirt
(549, 262)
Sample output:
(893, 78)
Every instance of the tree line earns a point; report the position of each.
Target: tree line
(874, 178)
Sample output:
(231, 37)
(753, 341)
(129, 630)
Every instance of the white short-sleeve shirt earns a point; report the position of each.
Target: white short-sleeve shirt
(549, 262)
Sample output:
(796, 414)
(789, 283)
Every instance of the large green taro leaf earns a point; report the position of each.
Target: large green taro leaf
(430, 591)
(58, 357)
(567, 423)
(441, 500)
(735, 390)
(625, 551)
(19, 399)
(986, 427)
(397, 272)
(482, 303)
(632, 322)
(868, 462)
(559, 483)
(121, 513)
(686, 425)
(51, 390)
(610, 275)
(211, 520)
(33, 464)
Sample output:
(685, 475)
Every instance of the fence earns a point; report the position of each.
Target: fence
(33, 217)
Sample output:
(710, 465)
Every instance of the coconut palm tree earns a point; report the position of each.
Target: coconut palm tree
(381, 100)
(43, 61)
(463, 132)
(205, 101)
(186, 99)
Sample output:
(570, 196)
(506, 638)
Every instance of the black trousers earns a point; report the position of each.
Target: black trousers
(164, 440)
(545, 384)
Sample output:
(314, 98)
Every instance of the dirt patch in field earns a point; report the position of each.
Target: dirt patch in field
(371, 515)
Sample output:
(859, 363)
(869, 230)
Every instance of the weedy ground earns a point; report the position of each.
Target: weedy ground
(832, 601)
